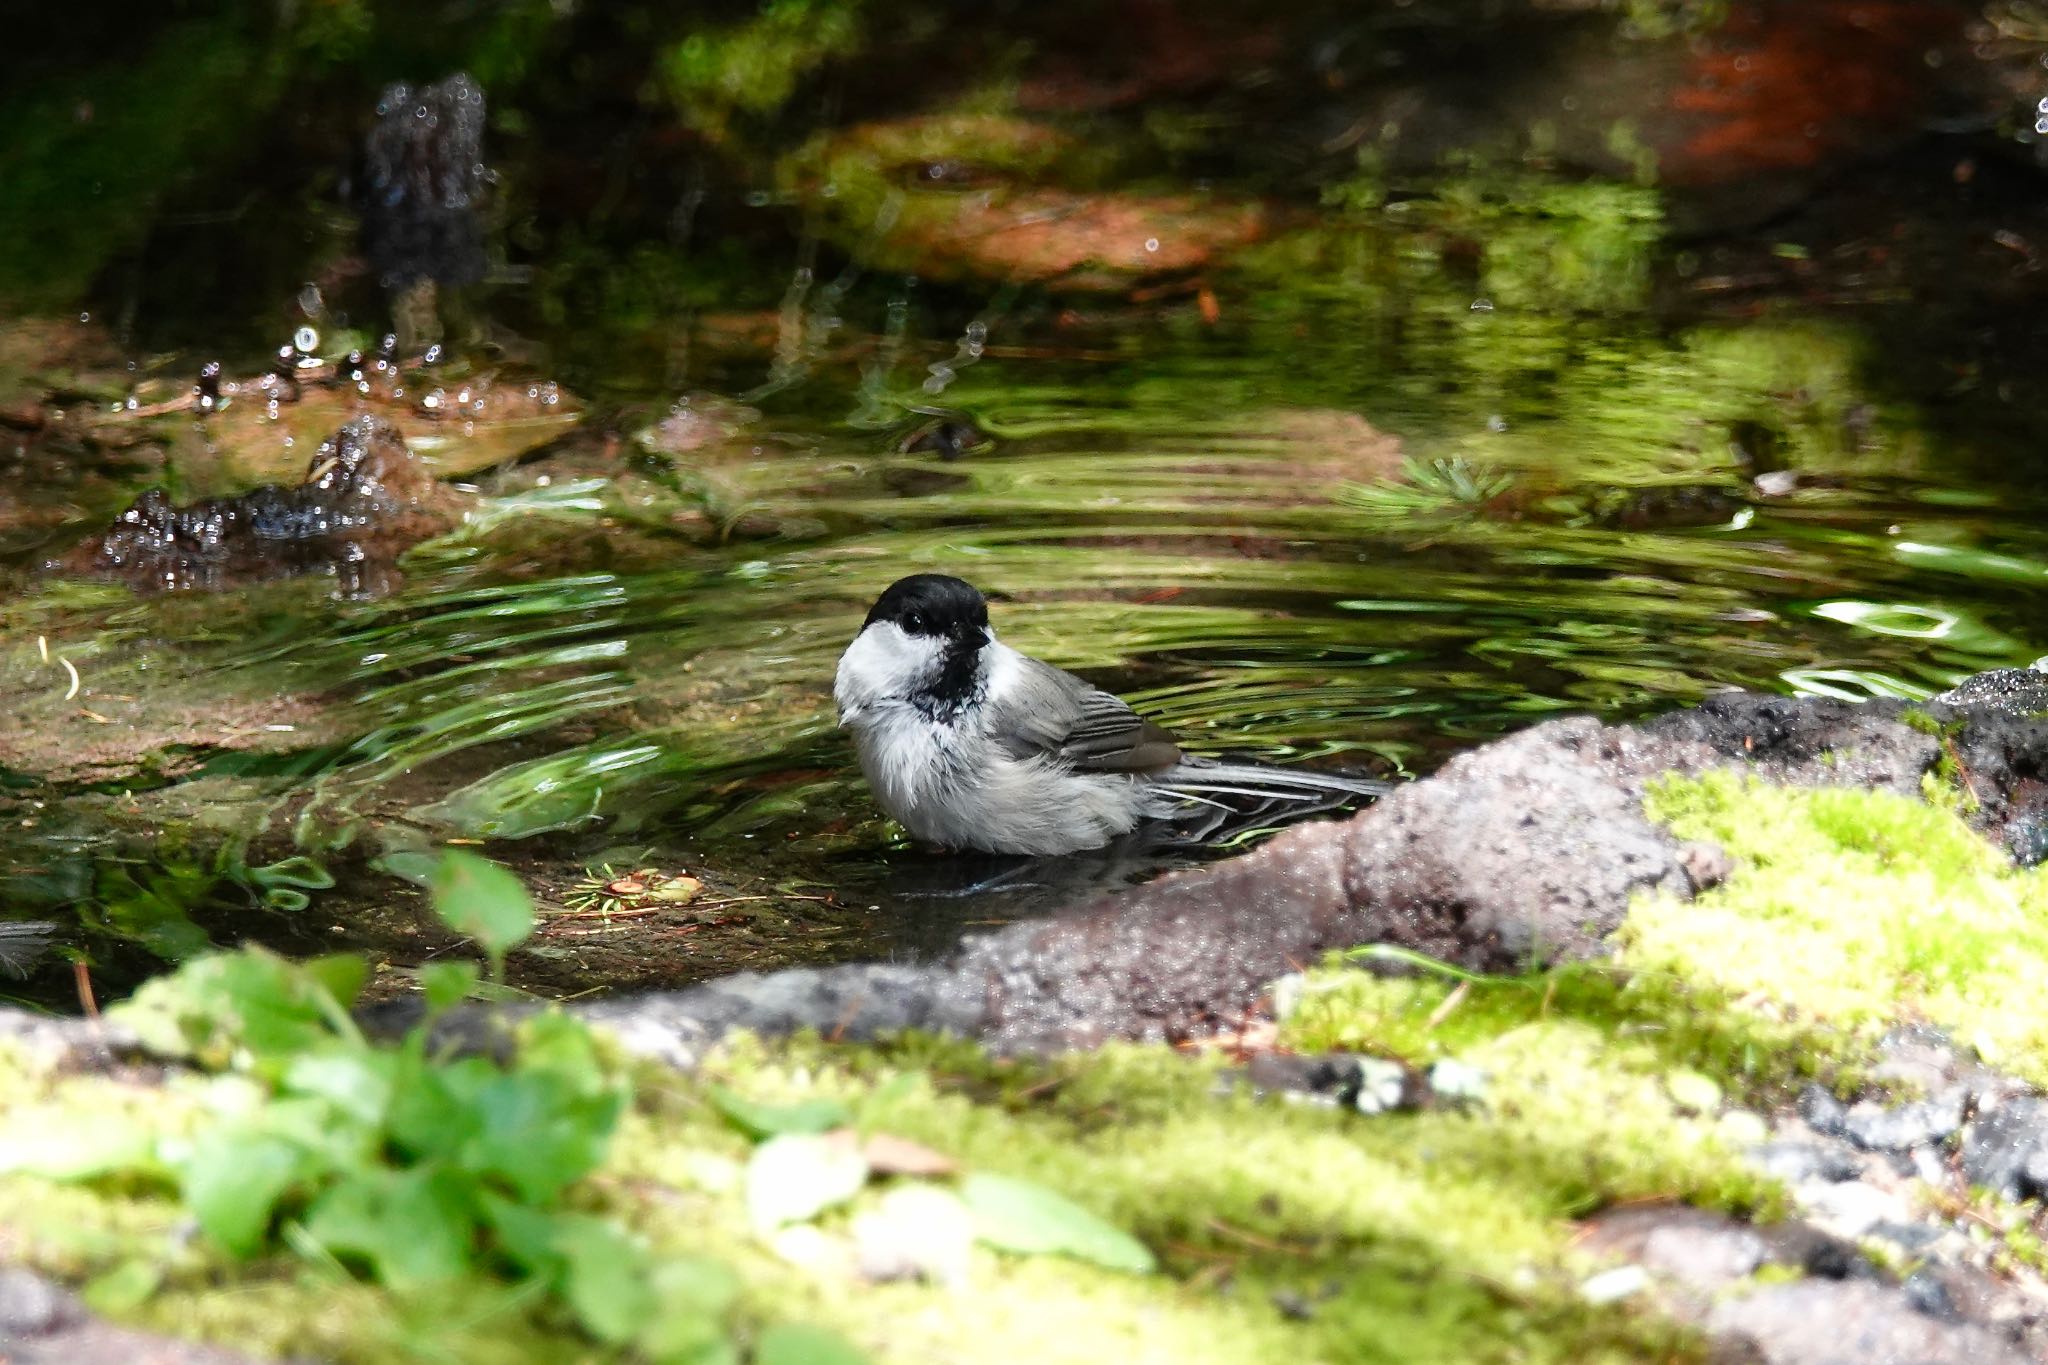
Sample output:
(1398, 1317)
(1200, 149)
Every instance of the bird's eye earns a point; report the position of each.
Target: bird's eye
(914, 623)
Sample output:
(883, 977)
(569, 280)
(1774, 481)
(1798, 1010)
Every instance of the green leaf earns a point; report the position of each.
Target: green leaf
(526, 1235)
(481, 900)
(696, 1285)
(412, 1227)
(772, 1120)
(795, 1343)
(433, 1108)
(606, 1280)
(537, 1133)
(1016, 1215)
(232, 1184)
(341, 975)
(125, 1288)
(354, 1080)
(446, 984)
(793, 1177)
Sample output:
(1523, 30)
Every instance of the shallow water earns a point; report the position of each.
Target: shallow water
(1355, 500)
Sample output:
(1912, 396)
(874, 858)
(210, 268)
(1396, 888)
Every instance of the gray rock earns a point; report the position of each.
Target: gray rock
(1851, 1322)
(42, 1324)
(31, 1306)
(1876, 1128)
(1852, 1208)
(1823, 1112)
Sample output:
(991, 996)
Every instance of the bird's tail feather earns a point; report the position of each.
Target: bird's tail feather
(1211, 800)
(1195, 777)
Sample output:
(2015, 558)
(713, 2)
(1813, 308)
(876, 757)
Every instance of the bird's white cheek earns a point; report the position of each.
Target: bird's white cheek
(882, 665)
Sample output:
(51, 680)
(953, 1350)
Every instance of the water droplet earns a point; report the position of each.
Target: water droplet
(307, 340)
(1151, 244)
(1482, 305)
(85, 317)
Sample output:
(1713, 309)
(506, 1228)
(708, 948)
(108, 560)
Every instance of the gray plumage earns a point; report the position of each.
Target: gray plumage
(970, 744)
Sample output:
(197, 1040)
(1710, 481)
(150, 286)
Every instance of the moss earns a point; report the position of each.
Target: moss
(1442, 1235)
(1855, 910)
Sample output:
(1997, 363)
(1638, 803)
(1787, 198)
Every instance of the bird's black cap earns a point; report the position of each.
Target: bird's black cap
(931, 604)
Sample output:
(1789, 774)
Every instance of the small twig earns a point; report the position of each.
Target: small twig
(71, 691)
(1223, 1229)
(83, 980)
(609, 914)
(1962, 772)
(1448, 1004)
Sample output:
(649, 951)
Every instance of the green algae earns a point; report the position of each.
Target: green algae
(750, 69)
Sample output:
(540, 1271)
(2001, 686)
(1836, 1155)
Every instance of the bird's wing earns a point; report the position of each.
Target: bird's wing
(1050, 713)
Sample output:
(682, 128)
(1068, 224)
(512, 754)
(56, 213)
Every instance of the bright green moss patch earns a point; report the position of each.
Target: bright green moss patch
(1281, 1231)
(1855, 910)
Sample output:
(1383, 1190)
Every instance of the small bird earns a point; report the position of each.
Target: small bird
(972, 745)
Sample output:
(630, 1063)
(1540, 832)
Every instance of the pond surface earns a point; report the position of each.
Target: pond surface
(1423, 456)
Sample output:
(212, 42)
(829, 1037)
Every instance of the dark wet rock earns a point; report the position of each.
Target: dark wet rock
(423, 183)
(22, 942)
(1851, 1322)
(43, 1324)
(2005, 1149)
(1648, 509)
(365, 499)
(948, 437)
(2017, 691)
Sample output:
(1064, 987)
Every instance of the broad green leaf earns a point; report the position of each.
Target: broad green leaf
(793, 1177)
(795, 1343)
(525, 1234)
(606, 1280)
(232, 1184)
(434, 1108)
(481, 900)
(446, 984)
(1016, 1215)
(125, 1288)
(412, 1227)
(355, 1081)
(537, 1133)
(341, 975)
(696, 1285)
(772, 1120)
(561, 1045)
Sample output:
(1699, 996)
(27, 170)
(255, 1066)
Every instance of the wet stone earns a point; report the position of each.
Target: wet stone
(2005, 1149)
(2015, 691)
(364, 500)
